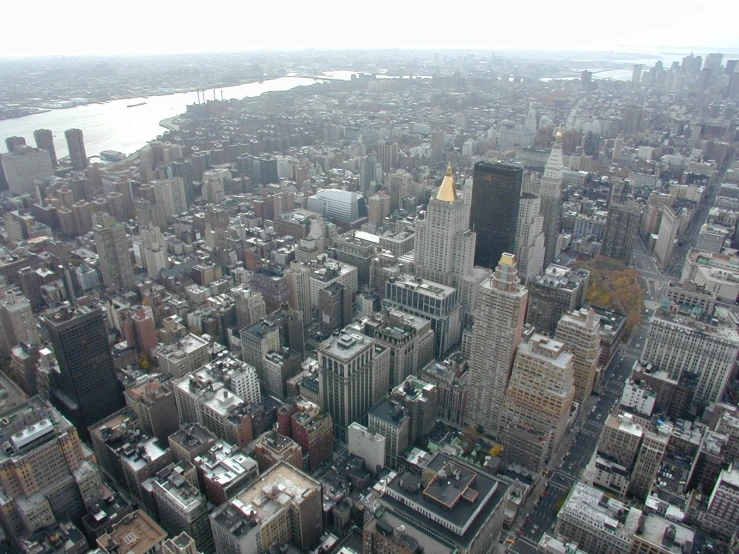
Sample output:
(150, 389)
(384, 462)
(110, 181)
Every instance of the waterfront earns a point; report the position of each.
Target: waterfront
(114, 126)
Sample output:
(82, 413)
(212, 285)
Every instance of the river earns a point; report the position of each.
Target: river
(114, 126)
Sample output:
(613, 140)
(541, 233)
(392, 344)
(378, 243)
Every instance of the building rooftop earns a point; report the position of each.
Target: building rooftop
(550, 545)
(136, 533)
(274, 441)
(345, 345)
(275, 489)
(706, 324)
(184, 346)
(25, 426)
(140, 455)
(60, 537)
(224, 464)
(625, 423)
(389, 412)
(592, 507)
(422, 286)
(666, 534)
(192, 437)
(551, 349)
(406, 536)
(260, 329)
(460, 495)
(178, 489)
(10, 394)
(557, 276)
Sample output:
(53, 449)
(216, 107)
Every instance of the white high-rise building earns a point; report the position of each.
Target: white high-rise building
(679, 344)
(111, 244)
(23, 166)
(170, 193)
(669, 229)
(530, 124)
(551, 199)
(541, 388)
(298, 283)
(445, 245)
(499, 319)
(580, 333)
(250, 306)
(341, 205)
(529, 237)
(17, 323)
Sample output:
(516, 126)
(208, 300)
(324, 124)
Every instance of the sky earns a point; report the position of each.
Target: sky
(83, 27)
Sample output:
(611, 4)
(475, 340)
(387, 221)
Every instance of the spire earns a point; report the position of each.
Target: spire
(447, 192)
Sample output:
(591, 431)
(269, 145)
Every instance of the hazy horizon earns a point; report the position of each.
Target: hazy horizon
(168, 28)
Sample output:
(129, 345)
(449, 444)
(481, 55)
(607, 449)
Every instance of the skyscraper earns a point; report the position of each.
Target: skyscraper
(541, 387)
(15, 144)
(367, 165)
(529, 237)
(554, 293)
(76, 146)
(47, 474)
(669, 229)
(580, 333)
(684, 345)
(88, 389)
(353, 375)
(445, 246)
(621, 228)
(23, 166)
(551, 199)
(495, 198)
(111, 243)
(17, 324)
(45, 141)
(501, 308)
(171, 194)
(387, 154)
(183, 169)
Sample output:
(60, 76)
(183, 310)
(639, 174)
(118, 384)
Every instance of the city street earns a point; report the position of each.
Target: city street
(587, 430)
(542, 508)
(675, 265)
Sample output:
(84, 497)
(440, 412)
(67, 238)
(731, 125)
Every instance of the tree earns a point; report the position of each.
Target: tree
(615, 286)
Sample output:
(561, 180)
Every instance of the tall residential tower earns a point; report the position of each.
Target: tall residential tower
(551, 199)
(501, 309)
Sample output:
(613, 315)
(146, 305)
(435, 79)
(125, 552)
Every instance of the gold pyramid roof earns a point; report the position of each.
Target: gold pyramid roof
(447, 191)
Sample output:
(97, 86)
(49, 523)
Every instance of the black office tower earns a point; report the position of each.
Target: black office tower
(45, 141)
(76, 146)
(183, 169)
(496, 193)
(87, 388)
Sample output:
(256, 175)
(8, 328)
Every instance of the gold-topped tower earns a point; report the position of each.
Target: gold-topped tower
(447, 191)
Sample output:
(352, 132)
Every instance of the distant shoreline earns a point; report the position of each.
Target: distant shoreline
(91, 101)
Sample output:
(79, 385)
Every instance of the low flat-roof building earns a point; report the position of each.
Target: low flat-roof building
(136, 533)
(600, 525)
(464, 505)
(284, 505)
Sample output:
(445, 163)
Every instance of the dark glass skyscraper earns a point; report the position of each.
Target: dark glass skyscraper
(76, 146)
(45, 140)
(496, 192)
(183, 169)
(87, 389)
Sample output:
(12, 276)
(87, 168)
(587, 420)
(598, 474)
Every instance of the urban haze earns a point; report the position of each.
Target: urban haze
(321, 296)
